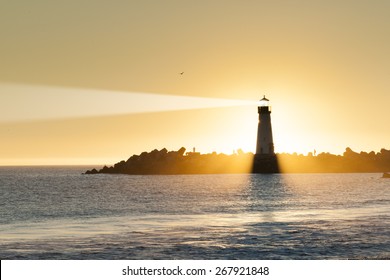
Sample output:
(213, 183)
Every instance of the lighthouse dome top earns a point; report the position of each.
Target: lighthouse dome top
(264, 102)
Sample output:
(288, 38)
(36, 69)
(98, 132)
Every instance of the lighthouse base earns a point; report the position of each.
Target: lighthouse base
(263, 163)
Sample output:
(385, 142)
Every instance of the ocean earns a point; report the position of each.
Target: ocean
(58, 213)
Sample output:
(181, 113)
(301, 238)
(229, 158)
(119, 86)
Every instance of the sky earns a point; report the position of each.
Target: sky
(70, 69)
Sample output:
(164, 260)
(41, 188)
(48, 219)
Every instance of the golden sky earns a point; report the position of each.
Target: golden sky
(324, 65)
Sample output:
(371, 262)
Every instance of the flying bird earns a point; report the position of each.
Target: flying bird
(181, 73)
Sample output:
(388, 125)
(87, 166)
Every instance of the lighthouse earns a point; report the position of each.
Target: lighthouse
(265, 143)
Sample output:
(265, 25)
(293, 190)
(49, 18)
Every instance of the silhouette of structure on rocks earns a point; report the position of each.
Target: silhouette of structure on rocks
(179, 162)
(264, 161)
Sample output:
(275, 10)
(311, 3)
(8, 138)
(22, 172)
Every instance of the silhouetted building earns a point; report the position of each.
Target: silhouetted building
(265, 160)
(265, 144)
(193, 153)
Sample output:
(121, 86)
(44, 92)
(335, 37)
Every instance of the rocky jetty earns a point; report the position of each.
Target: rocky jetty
(180, 162)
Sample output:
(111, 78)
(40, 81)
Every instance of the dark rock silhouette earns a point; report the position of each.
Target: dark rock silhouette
(93, 171)
(350, 161)
(179, 162)
(265, 164)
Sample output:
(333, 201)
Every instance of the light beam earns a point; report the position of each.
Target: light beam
(30, 103)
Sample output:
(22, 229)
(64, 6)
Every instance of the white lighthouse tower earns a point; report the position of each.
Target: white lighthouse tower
(265, 143)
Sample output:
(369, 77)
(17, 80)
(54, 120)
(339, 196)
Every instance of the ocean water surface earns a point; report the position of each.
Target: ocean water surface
(58, 213)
